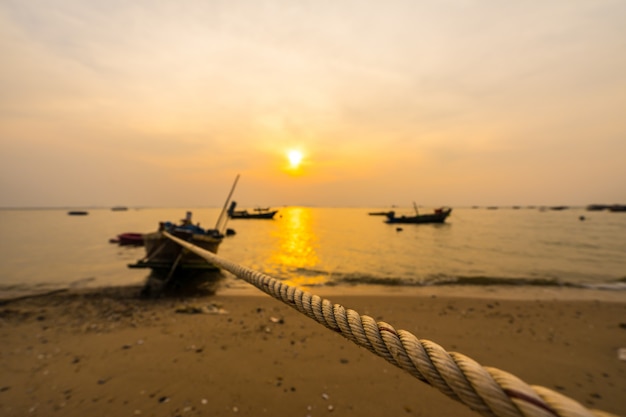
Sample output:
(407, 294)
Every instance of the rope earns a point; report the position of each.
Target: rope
(488, 391)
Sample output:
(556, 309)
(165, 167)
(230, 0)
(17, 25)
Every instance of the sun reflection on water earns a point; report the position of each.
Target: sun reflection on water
(296, 248)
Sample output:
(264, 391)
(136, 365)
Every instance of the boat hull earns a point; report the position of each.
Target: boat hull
(439, 216)
(162, 253)
(264, 213)
(130, 239)
(245, 215)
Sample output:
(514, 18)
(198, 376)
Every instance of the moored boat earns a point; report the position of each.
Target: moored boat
(379, 213)
(259, 213)
(164, 254)
(437, 216)
(129, 239)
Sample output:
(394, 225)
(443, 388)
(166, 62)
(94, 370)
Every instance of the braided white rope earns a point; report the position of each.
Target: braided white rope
(488, 391)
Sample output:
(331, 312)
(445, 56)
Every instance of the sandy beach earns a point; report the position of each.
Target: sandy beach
(108, 352)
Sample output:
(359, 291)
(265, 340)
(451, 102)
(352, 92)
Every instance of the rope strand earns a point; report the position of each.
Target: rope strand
(488, 391)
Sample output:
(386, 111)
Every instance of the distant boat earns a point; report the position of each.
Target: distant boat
(119, 208)
(77, 213)
(129, 239)
(259, 213)
(558, 208)
(617, 208)
(438, 216)
(379, 213)
(597, 207)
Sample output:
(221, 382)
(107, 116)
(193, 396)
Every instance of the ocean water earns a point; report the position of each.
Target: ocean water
(43, 250)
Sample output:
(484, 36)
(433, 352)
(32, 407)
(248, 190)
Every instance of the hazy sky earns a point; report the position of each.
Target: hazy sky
(457, 102)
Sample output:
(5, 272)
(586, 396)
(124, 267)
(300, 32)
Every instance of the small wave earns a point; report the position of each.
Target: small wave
(479, 281)
(80, 283)
(488, 281)
(619, 285)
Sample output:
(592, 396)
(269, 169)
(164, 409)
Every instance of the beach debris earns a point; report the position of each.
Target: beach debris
(621, 354)
(202, 309)
(204, 401)
(331, 407)
(195, 349)
(325, 396)
(277, 320)
(164, 399)
(235, 409)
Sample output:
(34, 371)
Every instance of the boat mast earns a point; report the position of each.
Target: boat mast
(415, 207)
(219, 219)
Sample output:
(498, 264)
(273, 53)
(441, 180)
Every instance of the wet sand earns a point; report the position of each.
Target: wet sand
(109, 352)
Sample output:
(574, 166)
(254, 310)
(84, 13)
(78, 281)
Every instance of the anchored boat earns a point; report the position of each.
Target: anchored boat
(437, 216)
(259, 213)
(165, 255)
(128, 239)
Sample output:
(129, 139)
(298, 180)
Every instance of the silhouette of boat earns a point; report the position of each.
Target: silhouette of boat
(259, 213)
(437, 216)
(128, 239)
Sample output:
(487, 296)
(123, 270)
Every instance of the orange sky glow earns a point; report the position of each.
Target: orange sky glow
(162, 103)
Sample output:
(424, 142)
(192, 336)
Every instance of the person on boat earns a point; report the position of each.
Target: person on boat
(187, 220)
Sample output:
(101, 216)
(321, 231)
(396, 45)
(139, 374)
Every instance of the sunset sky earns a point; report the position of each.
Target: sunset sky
(442, 102)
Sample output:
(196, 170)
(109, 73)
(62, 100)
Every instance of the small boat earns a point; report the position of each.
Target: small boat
(379, 213)
(77, 213)
(128, 239)
(438, 216)
(617, 208)
(597, 207)
(259, 213)
(119, 208)
(163, 254)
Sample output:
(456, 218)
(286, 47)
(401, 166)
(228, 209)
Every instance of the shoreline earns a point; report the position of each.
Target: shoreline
(505, 292)
(238, 287)
(239, 351)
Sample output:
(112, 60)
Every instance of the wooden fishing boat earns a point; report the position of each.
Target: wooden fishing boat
(162, 254)
(128, 239)
(259, 213)
(379, 213)
(438, 216)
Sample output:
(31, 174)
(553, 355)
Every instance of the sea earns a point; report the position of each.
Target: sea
(44, 250)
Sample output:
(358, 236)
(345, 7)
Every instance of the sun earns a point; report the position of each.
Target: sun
(295, 158)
